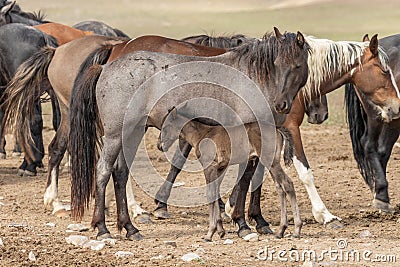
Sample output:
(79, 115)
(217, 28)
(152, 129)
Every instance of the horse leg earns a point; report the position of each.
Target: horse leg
(212, 173)
(238, 210)
(2, 136)
(17, 151)
(36, 125)
(56, 149)
(319, 210)
(161, 198)
(254, 211)
(109, 154)
(120, 178)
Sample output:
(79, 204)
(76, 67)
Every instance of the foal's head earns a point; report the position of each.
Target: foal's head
(291, 68)
(375, 83)
(170, 129)
(317, 110)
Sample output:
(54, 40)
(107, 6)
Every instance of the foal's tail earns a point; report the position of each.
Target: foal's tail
(356, 118)
(21, 94)
(288, 151)
(85, 131)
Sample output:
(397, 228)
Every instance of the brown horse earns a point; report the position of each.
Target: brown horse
(61, 32)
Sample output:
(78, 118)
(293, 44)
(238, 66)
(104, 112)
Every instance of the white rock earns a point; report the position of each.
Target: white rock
(94, 245)
(110, 241)
(50, 224)
(178, 184)
(31, 256)
(77, 240)
(1, 198)
(1, 242)
(251, 237)
(159, 257)
(190, 256)
(228, 242)
(77, 227)
(123, 254)
(364, 234)
(201, 250)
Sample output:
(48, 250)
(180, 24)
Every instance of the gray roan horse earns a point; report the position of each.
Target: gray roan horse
(278, 65)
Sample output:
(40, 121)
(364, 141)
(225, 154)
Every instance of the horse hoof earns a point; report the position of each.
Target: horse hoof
(244, 232)
(2, 155)
(29, 173)
(264, 230)
(20, 172)
(207, 239)
(334, 224)
(383, 206)
(135, 237)
(162, 214)
(143, 218)
(103, 236)
(225, 217)
(221, 234)
(61, 213)
(16, 154)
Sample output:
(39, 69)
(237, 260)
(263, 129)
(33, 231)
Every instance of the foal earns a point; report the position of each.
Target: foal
(217, 155)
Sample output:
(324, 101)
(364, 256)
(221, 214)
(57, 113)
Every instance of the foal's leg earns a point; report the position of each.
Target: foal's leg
(212, 173)
(178, 160)
(254, 211)
(120, 177)
(243, 186)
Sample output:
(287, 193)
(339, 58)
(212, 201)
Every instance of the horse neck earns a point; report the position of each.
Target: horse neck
(17, 18)
(193, 132)
(330, 64)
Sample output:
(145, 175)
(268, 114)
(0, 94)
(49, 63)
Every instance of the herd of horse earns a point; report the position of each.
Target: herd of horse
(106, 90)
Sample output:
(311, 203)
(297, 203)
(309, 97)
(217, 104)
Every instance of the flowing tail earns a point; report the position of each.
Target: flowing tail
(356, 118)
(85, 131)
(289, 145)
(21, 94)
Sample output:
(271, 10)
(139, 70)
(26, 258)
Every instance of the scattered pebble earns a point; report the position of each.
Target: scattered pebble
(110, 241)
(159, 257)
(77, 227)
(178, 184)
(365, 233)
(31, 256)
(94, 245)
(251, 237)
(170, 243)
(201, 250)
(228, 242)
(50, 224)
(77, 240)
(1, 242)
(123, 254)
(190, 256)
(18, 225)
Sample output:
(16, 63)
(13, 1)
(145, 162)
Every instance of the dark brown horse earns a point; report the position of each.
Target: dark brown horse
(373, 139)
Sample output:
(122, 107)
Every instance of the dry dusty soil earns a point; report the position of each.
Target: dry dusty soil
(367, 233)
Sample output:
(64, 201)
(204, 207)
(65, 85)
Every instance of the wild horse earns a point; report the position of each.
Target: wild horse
(265, 61)
(372, 138)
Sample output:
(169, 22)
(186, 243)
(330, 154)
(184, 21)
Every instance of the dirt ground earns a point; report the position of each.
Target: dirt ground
(373, 236)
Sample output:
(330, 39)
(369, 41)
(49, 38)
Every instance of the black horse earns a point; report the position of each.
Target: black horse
(100, 28)
(372, 139)
(17, 43)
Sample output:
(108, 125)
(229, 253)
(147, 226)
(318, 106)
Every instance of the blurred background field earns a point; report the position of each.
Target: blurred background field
(332, 19)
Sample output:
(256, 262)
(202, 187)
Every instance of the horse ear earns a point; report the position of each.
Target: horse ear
(5, 9)
(373, 45)
(300, 39)
(365, 38)
(278, 35)
(173, 112)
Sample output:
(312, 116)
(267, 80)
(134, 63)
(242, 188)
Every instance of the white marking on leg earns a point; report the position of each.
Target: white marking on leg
(133, 206)
(320, 212)
(51, 193)
(229, 209)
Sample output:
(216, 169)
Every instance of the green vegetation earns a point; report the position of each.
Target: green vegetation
(337, 20)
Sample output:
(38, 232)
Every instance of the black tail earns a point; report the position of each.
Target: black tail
(356, 118)
(84, 138)
(23, 92)
(289, 145)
